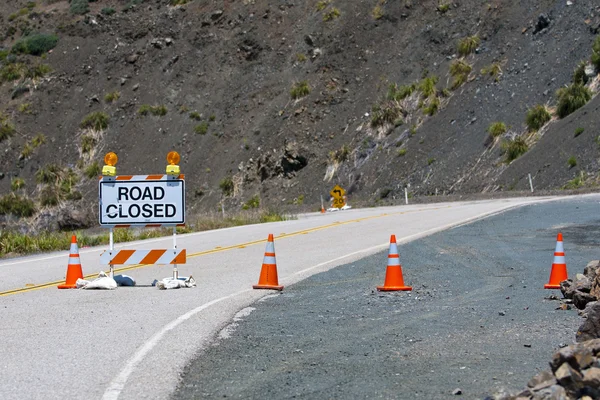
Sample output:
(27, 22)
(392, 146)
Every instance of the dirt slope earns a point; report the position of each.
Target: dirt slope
(227, 68)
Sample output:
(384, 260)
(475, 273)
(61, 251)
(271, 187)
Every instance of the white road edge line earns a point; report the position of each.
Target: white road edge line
(118, 384)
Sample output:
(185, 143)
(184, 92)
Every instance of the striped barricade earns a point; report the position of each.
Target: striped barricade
(146, 257)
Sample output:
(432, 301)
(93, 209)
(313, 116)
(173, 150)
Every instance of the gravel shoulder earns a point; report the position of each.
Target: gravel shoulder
(477, 319)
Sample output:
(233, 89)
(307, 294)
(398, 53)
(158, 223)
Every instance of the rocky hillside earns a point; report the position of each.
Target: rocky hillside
(274, 102)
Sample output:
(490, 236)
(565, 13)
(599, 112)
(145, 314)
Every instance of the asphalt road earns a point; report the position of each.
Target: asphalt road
(477, 319)
(133, 343)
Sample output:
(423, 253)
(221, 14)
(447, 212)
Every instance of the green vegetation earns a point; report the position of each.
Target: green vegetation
(398, 93)
(111, 97)
(36, 44)
(24, 108)
(427, 86)
(93, 170)
(26, 152)
(430, 161)
(17, 243)
(377, 12)
(226, 186)
(579, 131)
(19, 206)
(468, 45)
(212, 117)
(179, 2)
(322, 4)
(38, 71)
(96, 120)
(572, 161)
(300, 57)
(88, 142)
(201, 128)
(443, 7)
(515, 148)
(17, 184)
(79, 7)
(494, 70)
(401, 152)
(496, 129)
(579, 76)
(158, 110)
(12, 72)
(340, 155)
(433, 106)
(7, 129)
(30, 146)
(38, 140)
(253, 202)
(572, 98)
(196, 116)
(388, 112)
(108, 11)
(596, 53)
(459, 70)
(331, 14)
(537, 117)
(576, 182)
(300, 89)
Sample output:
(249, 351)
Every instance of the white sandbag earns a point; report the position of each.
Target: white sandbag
(124, 280)
(103, 281)
(172, 283)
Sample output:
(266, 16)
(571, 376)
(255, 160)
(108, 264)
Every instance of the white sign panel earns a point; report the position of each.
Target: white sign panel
(142, 202)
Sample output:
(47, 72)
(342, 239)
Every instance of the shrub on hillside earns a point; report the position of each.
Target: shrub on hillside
(398, 93)
(300, 89)
(427, 85)
(36, 44)
(596, 54)
(6, 128)
(572, 98)
(515, 148)
(537, 117)
(96, 120)
(460, 70)
(79, 7)
(496, 129)
(17, 205)
(226, 186)
(388, 112)
(579, 76)
(468, 45)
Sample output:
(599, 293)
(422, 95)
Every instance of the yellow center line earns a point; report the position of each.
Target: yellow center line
(219, 249)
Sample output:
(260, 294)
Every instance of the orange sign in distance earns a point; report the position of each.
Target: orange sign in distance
(339, 196)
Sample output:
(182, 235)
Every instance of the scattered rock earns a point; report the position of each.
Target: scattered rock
(542, 23)
(457, 392)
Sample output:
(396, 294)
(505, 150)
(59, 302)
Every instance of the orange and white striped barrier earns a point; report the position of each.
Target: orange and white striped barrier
(393, 275)
(559, 266)
(146, 257)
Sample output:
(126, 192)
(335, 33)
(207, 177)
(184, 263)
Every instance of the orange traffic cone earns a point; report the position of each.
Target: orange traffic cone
(322, 209)
(268, 274)
(559, 266)
(393, 275)
(74, 271)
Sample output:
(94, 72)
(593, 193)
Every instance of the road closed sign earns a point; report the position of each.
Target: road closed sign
(142, 200)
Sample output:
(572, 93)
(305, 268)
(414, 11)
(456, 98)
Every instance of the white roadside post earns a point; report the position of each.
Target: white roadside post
(142, 201)
(406, 195)
(530, 183)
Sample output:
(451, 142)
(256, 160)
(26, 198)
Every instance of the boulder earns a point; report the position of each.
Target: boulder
(590, 329)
